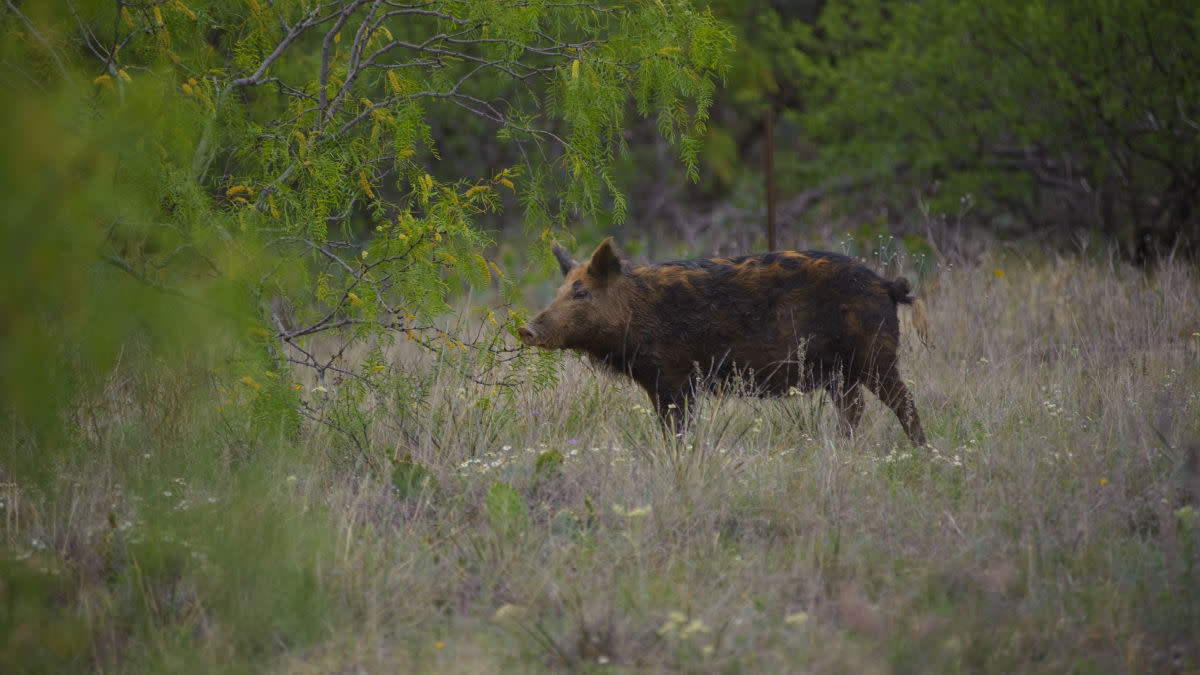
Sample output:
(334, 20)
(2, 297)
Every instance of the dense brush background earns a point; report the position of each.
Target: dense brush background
(1051, 525)
(262, 408)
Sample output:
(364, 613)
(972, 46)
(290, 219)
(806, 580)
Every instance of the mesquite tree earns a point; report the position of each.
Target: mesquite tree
(276, 161)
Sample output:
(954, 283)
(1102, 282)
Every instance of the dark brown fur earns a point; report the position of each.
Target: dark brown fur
(773, 321)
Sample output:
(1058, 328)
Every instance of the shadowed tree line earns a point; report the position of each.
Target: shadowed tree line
(1027, 120)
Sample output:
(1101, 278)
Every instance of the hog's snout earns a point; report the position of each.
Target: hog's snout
(529, 335)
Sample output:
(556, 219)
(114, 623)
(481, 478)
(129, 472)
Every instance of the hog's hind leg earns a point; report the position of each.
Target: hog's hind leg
(887, 385)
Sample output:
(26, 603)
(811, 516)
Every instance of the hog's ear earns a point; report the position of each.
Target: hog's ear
(565, 263)
(605, 262)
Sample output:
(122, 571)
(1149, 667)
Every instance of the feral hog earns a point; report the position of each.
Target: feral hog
(772, 321)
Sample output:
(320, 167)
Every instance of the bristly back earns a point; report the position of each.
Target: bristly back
(784, 258)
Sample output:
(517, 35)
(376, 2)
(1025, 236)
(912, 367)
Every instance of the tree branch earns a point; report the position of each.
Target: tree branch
(62, 69)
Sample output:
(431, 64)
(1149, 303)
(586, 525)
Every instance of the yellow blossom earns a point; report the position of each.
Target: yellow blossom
(796, 619)
(366, 186)
(184, 8)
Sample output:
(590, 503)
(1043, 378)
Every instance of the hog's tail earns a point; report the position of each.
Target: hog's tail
(900, 291)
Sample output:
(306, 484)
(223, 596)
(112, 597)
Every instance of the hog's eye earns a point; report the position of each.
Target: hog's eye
(581, 294)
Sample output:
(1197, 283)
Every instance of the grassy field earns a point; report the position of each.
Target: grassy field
(1051, 527)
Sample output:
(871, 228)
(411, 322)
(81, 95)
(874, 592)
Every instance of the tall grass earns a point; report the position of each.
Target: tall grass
(1052, 525)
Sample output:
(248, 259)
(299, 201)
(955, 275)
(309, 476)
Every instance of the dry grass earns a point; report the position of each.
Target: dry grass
(1051, 527)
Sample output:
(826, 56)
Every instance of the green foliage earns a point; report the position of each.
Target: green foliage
(40, 635)
(548, 463)
(507, 511)
(410, 479)
(72, 304)
(1074, 120)
(765, 76)
(1072, 115)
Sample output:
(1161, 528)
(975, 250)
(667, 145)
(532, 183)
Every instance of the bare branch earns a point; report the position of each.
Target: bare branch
(62, 69)
(293, 33)
(326, 44)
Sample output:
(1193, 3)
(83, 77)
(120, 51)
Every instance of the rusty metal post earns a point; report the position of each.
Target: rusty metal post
(770, 157)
